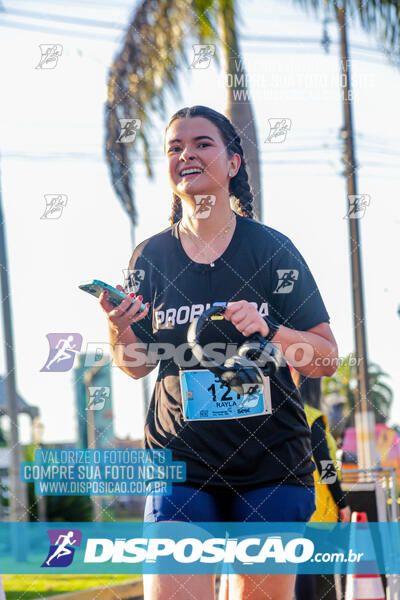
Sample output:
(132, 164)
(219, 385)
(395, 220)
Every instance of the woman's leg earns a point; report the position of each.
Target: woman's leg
(188, 505)
(270, 504)
(257, 587)
(261, 587)
(179, 587)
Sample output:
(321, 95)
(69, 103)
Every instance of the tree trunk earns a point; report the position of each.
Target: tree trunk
(239, 109)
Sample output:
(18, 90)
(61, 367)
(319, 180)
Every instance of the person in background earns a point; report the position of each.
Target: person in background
(330, 499)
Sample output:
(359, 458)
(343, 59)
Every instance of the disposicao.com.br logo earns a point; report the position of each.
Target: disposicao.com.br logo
(192, 550)
(175, 547)
(62, 547)
(184, 551)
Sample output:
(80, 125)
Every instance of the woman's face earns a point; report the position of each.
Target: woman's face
(196, 142)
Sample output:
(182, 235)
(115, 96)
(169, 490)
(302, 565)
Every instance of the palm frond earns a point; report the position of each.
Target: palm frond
(380, 16)
(380, 394)
(148, 64)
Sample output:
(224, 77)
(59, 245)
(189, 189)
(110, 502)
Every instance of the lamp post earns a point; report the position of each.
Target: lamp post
(18, 492)
(88, 378)
(144, 380)
(37, 437)
(364, 415)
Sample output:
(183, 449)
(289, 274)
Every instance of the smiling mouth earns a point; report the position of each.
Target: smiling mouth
(191, 175)
(197, 173)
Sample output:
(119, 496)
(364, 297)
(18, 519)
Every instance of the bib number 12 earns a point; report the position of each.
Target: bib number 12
(225, 396)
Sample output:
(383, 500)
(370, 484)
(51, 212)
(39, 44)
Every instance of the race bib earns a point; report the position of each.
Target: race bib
(206, 397)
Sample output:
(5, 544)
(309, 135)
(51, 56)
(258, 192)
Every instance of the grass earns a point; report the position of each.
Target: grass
(26, 587)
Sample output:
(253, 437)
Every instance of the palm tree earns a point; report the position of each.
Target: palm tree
(344, 384)
(146, 67)
(148, 64)
(153, 53)
(239, 108)
(382, 17)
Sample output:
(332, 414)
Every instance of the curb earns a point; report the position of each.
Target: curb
(128, 591)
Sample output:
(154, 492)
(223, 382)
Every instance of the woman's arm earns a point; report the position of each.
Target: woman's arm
(126, 347)
(313, 352)
(119, 344)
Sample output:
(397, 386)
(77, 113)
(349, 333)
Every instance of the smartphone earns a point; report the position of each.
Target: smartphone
(115, 296)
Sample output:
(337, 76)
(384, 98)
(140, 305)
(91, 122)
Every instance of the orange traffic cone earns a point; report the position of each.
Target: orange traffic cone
(360, 586)
(223, 593)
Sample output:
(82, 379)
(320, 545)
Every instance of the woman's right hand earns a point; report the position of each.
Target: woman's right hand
(345, 514)
(120, 317)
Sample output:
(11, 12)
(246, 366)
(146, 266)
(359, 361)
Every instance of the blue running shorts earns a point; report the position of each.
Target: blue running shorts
(279, 503)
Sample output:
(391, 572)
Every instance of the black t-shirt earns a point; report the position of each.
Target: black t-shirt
(257, 265)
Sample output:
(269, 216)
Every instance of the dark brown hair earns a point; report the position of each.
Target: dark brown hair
(239, 184)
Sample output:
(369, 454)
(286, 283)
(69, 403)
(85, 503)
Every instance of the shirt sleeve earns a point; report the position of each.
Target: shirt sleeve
(138, 279)
(294, 299)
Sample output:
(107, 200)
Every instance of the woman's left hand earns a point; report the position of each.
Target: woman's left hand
(246, 318)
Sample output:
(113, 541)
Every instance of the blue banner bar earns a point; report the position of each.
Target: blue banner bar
(176, 547)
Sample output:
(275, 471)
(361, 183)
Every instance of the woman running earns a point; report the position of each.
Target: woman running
(256, 468)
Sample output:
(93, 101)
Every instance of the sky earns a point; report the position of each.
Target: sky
(52, 133)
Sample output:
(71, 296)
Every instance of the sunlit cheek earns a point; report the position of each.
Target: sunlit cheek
(217, 172)
(172, 171)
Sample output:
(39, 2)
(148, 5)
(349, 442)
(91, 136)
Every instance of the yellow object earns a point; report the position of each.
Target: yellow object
(327, 510)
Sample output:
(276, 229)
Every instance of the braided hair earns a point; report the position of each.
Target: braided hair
(239, 186)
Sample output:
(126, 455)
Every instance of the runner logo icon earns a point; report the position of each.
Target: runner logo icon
(63, 347)
(62, 547)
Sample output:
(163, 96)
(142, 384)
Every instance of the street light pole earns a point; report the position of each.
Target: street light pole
(2, 594)
(144, 380)
(91, 432)
(37, 438)
(364, 415)
(18, 492)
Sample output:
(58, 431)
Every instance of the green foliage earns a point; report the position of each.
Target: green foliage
(58, 508)
(151, 58)
(382, 17)
(3, 488)
(28, 452)
(3, 441)
(69, 508)
(29, 455)
(344, 383)
(3, 500)
(31, 587)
